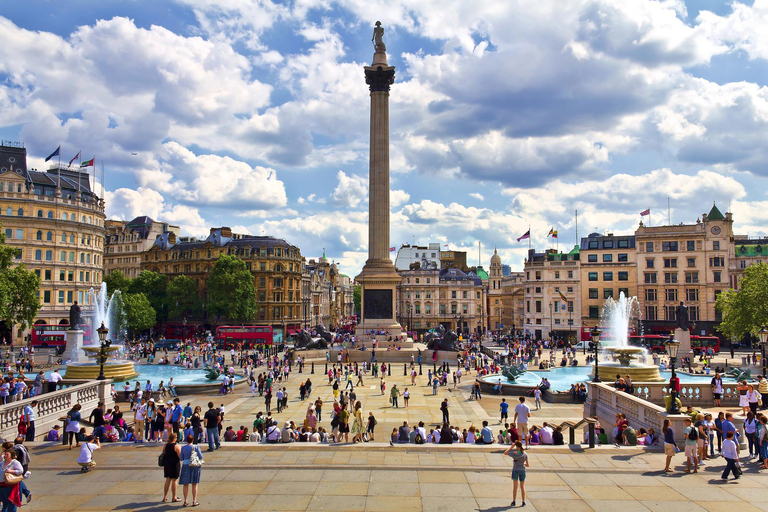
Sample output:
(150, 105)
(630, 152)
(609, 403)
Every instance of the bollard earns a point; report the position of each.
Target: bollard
(591, 435)
(434, 367)
(313, 368)
(405, 370)
(419, 367)
(389, 370)
(326, 367)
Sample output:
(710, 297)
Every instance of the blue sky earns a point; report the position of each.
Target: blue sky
(504, 115)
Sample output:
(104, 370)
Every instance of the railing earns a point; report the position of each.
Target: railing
(700, 395)
(52, 406)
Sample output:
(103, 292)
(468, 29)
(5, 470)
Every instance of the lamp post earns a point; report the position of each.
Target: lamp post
(763, 333)
(596, 345)
(673, 346)
(104, 344)
(551, 325)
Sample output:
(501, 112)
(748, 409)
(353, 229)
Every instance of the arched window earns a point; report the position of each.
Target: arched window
(82, 257)
(63, 256)
(72, 238)
(49, 236)
(9, 211)
(48, 255)
(83, 218)
(63, 238)
(87, 258)
(50, 214)
(20, 212)
(40, 214)
(64, 216)
(39, 235)
(38, 254)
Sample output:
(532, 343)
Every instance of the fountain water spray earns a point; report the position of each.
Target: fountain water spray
(105, 309)
(616, 315)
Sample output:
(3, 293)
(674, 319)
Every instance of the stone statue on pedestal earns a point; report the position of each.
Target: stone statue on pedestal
(75, 317)
(681, 313)
(378, 39)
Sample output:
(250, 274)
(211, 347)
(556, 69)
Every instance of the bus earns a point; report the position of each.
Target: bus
(55, 335)
(248, 336)
(656, 343)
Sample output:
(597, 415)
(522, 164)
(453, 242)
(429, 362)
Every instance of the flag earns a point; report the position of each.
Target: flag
(446, 245)
(76, 157)
(551, 230)
(89, 163)
(55, 153)
(554, 234)
(562, 296)
(391, 249)
(526, 235)
(645, 212)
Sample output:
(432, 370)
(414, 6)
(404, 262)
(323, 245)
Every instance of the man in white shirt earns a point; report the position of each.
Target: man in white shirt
(731, 456)
(546, 434)
(522, 413)
(86, 454)
(29, 417)
(139, 415)
(422, 431)
(53, 381)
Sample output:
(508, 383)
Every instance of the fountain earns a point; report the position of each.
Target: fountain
(616, 316)
(107, 311)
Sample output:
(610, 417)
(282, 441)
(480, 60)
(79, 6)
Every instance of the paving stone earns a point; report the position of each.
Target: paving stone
(391, 503)
(448, 491)
(445, 504)
(336, 503)
(601, 492)
(394, 489)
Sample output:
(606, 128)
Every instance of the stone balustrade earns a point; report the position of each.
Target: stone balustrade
(52, 406)
(696, 395)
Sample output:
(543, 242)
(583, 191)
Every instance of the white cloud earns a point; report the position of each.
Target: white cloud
(477, 196)
(351, 190)
(398, 197)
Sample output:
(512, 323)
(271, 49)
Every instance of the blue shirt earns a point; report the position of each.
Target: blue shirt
(504, 407)
(729, 427)
(29, 413)
(176, 415)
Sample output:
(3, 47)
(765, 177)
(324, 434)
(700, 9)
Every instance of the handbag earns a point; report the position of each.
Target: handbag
(11, 479)
(161, 459)
(194, 460)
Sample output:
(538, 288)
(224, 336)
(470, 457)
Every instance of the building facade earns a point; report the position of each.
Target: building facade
(552, 294)
(686, 263)
(513, 303)
(126, 241)
(495, 310)
(276, 266)
(608, 266)
(57, 223)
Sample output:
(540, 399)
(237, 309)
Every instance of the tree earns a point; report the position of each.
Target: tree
(357, 297)
(183, 298)
(116, 281)
(231, 293)
(19, 289)
(746, 310)
(139, 313)
(154, 287)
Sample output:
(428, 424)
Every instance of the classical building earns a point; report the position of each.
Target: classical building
(495, 311)
(429, 256)
(449, 297)
(684, 263)
(745, 251)
(126, 241)
(513, 302)
(57, 223)
(552, 294)
(276, 266)
(330, 297)
(608, 268)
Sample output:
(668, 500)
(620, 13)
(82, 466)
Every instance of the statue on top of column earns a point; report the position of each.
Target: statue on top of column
(378, 39)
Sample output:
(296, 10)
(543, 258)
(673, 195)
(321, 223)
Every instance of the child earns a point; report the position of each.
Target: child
(393, 437)
(53, 434)
(130, 437)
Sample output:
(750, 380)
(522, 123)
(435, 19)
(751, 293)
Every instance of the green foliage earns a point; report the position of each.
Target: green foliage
(746, 310)
(139, 313)
(357, 296)
(116, 281)
(183, 298)
(19, 289)
(154, 287)
(231, 293)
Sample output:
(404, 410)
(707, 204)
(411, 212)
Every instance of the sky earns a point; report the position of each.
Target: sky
(504, 115)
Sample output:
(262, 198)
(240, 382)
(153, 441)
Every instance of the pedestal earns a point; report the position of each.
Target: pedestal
(684, 337)
(74, 351)
(378, 286)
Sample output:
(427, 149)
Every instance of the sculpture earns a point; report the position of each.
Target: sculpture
(305, 342)
(739, 374)
(75, 317)
(681, 313)
(439, 338)
(512, 372)
(378, 39)
(212, 373)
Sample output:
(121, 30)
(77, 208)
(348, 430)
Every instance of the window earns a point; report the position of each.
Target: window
(47, 296)
(453, 294)
(570, 274)
(670, 262)
(48, 276)
(607, 258)
(20, 211)
(61, 296)
(262, 282)
(691, 262)
(40, 214)
(594, 312)
(38, 254)
(39, 235)
(9, 211)
(608, 244)
(538, 275)
(623, 276)
(692, 294)
(717, 275)
(538, 306)
(557, 274)
(715, 245)
(464, 295)
(49, 236)
(690, 245)
(669, 246)
(649, 263)
(648, 246)
(570, 289)
(592, 258)
(592, 276)
(537, 289)
(570, 309)
(607, 276)
(623, 257)
(670, 313)
(69, 296)
(593, 244)
(670, 277)
(691, 277)
(623, 243)
(717, 261)
(651, 295)
(693, 313)
(607, 293)
(50, 214)
(650, 313)
(670, 294)
(650, 278)
(593, 293)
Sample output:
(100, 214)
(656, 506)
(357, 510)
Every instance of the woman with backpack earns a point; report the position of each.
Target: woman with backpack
(191, 466)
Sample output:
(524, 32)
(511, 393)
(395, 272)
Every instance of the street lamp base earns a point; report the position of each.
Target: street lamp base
(597, 379)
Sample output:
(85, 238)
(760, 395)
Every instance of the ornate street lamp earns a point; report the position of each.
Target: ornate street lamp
(673, 346)
(595, 332)
(763, 333)
(105, 343)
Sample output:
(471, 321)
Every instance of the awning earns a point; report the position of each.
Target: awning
(292, 332)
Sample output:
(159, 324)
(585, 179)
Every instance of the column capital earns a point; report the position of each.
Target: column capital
(379, 78)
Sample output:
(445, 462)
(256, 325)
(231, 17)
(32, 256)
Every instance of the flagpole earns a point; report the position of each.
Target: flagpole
(58, 169)
(529, 238)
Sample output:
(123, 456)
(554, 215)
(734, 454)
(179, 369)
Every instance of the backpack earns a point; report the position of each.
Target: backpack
(418, 439)
(693, 434)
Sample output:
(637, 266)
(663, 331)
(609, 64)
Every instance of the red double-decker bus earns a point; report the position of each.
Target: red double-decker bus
(55, 335)
(657, 343)
(247, 336)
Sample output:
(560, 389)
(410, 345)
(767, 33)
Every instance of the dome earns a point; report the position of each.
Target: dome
(495, 259)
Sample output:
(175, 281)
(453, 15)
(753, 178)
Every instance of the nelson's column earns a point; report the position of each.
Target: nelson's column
(379, 279)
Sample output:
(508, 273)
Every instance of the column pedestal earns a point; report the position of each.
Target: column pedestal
(684, 337)
(74, 351)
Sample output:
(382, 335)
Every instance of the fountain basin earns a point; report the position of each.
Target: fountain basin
(625, 364)
(113, 369)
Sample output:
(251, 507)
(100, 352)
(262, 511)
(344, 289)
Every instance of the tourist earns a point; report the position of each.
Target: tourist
(53, 434)
(703, 440)
(393, 396)
(85, 459)
(404, 433)
(520, 462)
(717, 388)
(358, 427)
(139, 415)
(171, 467)
(73, 425)
(753, 398)
(762, 440)
(212, 422)
(743, 401)
(191, 464)
(670, 446)
(343, 417)
(557, 436)
(750, 430)
(486, 434)
(273, 433)
(534, 435)
(691, 447)
(53, 381)
(10, 492)
(504, 408)
(547, 433)
(371, 427)
(522, 413)
(444, 409)
(446, 435)
(728, 426)
(731, 455)
(406, 397)
(619, 425)
(29, 417)
(22, 455)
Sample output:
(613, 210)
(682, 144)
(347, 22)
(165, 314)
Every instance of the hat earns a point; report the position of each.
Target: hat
(151, 399)
(160, 402)
(287, 424)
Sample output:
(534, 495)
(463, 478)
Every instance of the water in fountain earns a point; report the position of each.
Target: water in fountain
(106, 310)
(616, 315)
